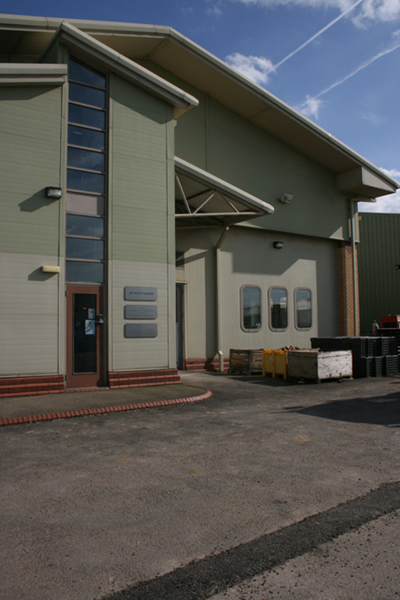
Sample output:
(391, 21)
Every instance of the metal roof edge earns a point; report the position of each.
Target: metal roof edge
(224, 186)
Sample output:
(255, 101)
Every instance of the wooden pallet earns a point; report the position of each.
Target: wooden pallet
(247, 362)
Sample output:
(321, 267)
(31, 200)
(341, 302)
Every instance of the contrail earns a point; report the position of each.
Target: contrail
(320, 32)
(365, 64)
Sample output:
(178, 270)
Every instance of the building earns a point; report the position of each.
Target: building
(379, 260)
(158, 209)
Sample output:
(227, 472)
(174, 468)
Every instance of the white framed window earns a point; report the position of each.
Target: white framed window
(303, 308)
(278, 308)
(250, 308)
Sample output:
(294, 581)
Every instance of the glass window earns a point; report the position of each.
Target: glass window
(88, 272)
(84, 205)
(88, 138)
(87, 226)
(79, 72)
(278, 308)
(87, 116)
(86, 182)
(87, 95)
(303, 308)
(83, 248)
(85, 159)
(251, 308)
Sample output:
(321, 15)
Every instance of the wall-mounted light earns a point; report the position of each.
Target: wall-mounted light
(286, 198)
(50, 269)
(278, 245)
(53, 192)
(397, 266)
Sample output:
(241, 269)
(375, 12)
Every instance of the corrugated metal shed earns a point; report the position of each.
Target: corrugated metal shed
(378, 253)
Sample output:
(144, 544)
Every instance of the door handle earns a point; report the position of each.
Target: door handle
(99, 319)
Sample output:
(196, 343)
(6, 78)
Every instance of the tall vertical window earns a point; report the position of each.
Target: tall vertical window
(251, 308)
(86, 175)
(278, 309)
(303, 308)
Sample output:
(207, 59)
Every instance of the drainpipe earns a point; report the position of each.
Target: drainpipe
(218, 297)
(353, 246)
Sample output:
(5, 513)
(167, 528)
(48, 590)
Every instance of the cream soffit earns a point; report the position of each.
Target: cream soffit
(187, 60)
(33, 74)
(98, 52)
(204, 199)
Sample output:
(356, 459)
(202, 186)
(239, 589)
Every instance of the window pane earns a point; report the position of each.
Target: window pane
(84, 272)
(89, 249)
(87, 95)
(78, 136)
(86, 75)
(85, 159)
(87, 116)
(251, 307)
(89, 226)
(278, 307)
(303, 309)
(87, 182)
(85, 205)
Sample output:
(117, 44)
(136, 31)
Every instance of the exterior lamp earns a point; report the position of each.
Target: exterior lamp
(397, 266)
(278, 245)
(286, 198)
(53, 192)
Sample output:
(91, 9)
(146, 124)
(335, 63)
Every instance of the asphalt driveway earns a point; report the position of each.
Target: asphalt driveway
(258, 484)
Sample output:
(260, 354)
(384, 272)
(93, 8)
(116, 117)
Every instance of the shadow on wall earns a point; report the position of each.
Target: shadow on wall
(36, 202)
(376, 410)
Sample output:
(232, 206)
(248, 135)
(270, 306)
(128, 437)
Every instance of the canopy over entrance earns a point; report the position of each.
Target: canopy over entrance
(201, 199)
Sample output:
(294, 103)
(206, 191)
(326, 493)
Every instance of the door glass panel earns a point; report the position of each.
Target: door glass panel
(84, 74)
(79, 136)
(77, 272)
(85, 333)
(87, 116)
(87, 226)
(85, 159)
(87, 95)
(86, 182)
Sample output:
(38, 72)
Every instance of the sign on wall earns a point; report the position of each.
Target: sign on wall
(140, 294)
(141, 330)
(140, 311)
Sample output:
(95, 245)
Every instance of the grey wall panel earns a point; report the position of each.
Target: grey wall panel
(28, 316)
(248, 258)
(30, 131)
(135, 354)
(378, 252)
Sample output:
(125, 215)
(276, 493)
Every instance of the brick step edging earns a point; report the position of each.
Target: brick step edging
(103, 410)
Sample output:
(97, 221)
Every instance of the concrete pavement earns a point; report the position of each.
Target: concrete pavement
(114, 506)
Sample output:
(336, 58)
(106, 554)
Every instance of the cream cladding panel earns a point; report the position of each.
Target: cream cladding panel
(28, 316)
(248, 258)
(30, 130)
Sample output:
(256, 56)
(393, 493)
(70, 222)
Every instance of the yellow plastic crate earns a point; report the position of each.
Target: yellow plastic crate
(275, 363)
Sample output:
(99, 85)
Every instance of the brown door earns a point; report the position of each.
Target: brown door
(84, 336)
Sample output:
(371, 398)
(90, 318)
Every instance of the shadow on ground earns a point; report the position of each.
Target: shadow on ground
(375, 410)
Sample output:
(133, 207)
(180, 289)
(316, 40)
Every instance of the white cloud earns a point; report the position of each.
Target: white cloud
(216, 9)
(310, 108)
(387, 204)
(256, 68)
(370, 10)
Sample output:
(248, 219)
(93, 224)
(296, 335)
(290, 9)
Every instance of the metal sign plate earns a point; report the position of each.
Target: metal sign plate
(140, 311)
(141, 330)
(141, 294)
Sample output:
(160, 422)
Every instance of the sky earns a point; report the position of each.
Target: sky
(335, 61)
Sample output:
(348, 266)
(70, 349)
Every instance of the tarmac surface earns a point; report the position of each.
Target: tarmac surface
(265, 490)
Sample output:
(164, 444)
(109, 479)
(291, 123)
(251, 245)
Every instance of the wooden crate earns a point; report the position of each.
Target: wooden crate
(311, 364)
(245, 361)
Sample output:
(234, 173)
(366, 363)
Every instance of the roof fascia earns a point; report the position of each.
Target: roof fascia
(84, 44)
(13, 74)
(223, 186)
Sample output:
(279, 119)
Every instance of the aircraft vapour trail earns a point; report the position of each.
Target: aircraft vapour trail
(320, 32)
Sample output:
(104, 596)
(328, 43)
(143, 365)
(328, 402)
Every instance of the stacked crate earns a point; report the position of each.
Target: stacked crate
(372, 356)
